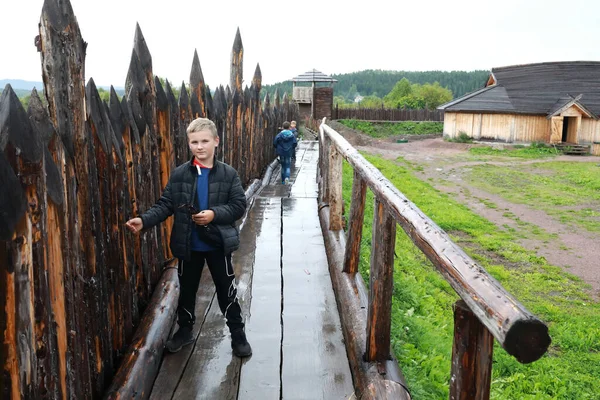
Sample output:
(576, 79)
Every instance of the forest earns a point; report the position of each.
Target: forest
(379, 83)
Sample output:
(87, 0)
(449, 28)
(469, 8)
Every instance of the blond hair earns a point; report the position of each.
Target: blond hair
(293, 123)
(202, 124)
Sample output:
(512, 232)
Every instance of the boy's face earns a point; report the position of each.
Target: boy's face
(202, 145)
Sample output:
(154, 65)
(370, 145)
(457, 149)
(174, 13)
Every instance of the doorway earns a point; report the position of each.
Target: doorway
(565, 129)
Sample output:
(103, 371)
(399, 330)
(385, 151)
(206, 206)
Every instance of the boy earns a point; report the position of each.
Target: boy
(294, 130)
(285, 142)
(206, 198)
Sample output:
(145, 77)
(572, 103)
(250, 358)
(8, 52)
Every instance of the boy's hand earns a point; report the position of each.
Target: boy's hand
(135, 224)
(204, 217)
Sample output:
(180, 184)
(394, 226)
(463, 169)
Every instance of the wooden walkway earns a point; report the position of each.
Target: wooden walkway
(285, 290)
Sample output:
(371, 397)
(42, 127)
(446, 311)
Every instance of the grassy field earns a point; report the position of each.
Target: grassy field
(387, 129)
(569, 191)
(422, 300)
(535, 150)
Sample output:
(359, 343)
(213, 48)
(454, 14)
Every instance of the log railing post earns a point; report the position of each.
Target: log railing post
(325, 157)
(381, 284)
(334, 185)
(472, 351)
(355, 224)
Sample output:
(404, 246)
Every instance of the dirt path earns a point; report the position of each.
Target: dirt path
(444, 165)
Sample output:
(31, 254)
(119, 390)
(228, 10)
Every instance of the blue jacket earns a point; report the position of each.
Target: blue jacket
(285, 142)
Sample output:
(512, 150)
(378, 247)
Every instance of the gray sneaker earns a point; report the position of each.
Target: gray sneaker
(181, 338)
(287, 181)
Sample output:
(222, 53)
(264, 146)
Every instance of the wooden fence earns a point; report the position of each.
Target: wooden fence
(486, 310)
(73, 283)
(387, 114)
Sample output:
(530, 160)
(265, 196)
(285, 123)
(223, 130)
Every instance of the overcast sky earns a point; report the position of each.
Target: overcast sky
(291, 37)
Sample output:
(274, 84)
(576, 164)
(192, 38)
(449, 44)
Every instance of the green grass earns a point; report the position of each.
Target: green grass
(534, 151)
(422, 319)
(387, 129)
(569, 191)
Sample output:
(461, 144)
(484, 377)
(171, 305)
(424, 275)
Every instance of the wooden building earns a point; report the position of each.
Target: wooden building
(313, 91)
(553, 102)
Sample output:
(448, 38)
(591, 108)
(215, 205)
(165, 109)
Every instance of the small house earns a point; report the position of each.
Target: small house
(552, 102)
(313, 91)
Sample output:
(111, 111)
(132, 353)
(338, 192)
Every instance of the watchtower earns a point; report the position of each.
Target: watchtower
(313, 91)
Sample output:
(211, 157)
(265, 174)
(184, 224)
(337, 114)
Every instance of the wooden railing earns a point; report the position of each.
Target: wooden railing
(485, 311)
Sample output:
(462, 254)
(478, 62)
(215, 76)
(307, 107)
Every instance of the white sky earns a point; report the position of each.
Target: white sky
(291, 37)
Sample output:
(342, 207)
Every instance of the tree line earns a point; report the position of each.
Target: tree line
(379, 83)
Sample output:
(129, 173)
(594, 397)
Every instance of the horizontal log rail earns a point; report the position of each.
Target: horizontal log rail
(140, 365)
(485, 303)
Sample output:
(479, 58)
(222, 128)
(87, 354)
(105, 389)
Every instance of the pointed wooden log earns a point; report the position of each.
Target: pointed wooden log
(286, 108)
(152, 240)
(198, 89)
(63, 72)
(166, 155)
(220, 114)
(50, 326)
(98, 252)
(237, 63)
(208, 104)
(185, 117)
(131, 143)
(228, 94)
(257, 79)
(22, 250)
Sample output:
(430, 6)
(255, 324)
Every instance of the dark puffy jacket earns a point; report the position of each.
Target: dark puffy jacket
(226, 198)
(285, 142)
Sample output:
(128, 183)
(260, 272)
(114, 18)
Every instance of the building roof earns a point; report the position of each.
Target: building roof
(536, 89)
(313, 76)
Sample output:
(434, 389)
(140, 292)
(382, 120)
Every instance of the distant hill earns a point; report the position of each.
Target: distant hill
(23, 88)
(21, 84)
(380, 83)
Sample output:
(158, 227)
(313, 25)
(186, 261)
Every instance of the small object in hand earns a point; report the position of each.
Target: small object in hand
(190, 208)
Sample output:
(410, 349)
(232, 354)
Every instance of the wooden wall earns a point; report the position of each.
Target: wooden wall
(590, 131)
(517, 128)
(500, 127)
(387, 114)
(73, 283)
(322, 102)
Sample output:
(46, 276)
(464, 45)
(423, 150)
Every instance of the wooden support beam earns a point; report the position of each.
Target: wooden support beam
(519, 332)
(382, 380)
(140, 364)
(355, 224)
(472, 352)
(334, 185)
(381, 285)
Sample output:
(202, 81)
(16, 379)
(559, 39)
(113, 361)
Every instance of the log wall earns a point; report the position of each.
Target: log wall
(516, 128)
(73, 282)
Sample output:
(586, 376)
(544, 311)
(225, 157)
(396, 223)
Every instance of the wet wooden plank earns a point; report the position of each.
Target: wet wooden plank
(173, 365)
(260, 378)
(212, 371)
(315, 364)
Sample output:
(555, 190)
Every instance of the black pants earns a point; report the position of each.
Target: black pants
(223, 277)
